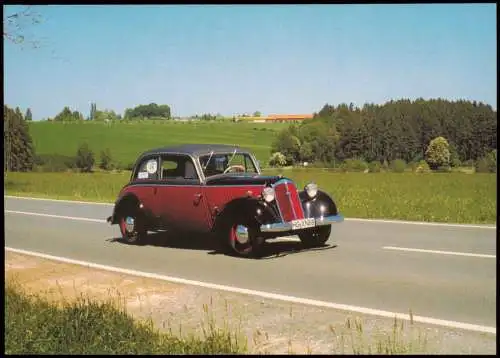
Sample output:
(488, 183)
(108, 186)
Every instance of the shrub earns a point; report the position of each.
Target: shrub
(354, 165)
(84, 158)
(487, 164)
(277, 160)
(422, 167)
(374, 166)
(54, 162)
(398, 166)
(106, 160)
(385, 165)
(469, 163)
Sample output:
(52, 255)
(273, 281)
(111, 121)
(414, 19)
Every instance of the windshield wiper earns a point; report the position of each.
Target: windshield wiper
(208, 161)
(234, 153)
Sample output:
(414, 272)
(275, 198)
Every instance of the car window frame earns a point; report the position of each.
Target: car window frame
(179, 181)
(139, 164)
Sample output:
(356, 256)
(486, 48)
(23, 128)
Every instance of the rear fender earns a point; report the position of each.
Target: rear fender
(127, 203)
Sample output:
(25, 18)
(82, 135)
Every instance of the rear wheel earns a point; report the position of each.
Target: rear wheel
(132, 228)
(316, 237)
(242, 238)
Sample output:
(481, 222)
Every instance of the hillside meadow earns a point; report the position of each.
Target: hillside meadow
(127, 140)
(433, 197)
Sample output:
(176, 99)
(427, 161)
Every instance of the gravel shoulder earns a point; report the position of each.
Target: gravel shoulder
(269, 326)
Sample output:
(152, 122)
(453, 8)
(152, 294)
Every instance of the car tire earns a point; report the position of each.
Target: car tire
(316, 237)
(242, 238)
(132, 228)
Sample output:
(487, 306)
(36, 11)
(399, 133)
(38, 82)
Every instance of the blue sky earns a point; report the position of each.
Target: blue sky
(240, 59)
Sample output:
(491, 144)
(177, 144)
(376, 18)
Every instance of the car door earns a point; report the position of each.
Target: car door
(179, 196)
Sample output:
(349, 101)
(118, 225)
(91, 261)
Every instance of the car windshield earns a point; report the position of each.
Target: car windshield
(230, 163)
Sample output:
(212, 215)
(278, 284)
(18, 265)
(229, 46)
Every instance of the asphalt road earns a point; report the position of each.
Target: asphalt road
(367, 265)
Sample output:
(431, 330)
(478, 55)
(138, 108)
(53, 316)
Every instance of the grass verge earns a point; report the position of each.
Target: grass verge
(35, 326)
(431, 197)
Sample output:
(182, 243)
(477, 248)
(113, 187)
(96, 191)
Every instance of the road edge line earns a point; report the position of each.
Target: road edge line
(382, 221)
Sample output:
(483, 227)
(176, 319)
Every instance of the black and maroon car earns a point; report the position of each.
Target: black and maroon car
(219, 189)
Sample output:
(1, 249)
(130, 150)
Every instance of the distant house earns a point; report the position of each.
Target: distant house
(277, 118)
(288, 117)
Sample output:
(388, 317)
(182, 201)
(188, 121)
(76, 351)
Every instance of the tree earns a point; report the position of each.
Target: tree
(84, 158)
(287, 144)
(93, 111)
(438, 153)
(256, 114)
(149, 111)
(19, 151)
(28, 116)
(67, 115)
(106, 160)
(15, 23)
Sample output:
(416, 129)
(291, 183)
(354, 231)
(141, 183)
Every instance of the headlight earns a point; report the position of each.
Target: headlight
(268, 194)
(311, 189)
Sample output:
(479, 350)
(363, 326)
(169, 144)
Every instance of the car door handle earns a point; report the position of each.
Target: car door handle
(197, 198)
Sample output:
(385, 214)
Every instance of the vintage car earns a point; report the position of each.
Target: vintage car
(219, 190)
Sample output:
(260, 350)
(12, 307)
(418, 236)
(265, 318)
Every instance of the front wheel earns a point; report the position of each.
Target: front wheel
(132, 228)
(316, 237)
(243, 238)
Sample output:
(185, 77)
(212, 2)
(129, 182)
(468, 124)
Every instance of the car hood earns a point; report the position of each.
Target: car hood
(239, 179)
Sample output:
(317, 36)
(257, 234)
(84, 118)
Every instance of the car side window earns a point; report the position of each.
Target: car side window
(178, 167)
(148, 169)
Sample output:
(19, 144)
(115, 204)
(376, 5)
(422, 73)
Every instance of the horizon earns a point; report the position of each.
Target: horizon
(275, 59)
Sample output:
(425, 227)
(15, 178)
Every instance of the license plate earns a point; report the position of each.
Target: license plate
(303, 223)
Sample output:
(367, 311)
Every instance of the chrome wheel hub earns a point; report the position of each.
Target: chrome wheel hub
(242, 234)
(129, 224)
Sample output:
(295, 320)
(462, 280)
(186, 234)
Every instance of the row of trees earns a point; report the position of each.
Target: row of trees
(400, 129)
(149, 111)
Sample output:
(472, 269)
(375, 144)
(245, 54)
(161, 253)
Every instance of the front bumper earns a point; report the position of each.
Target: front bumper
(288, 226)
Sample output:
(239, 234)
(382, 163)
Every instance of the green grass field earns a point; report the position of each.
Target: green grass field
(128, 140)
(438, 197)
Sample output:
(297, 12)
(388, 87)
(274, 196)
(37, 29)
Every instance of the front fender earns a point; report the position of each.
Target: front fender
(251, 208)
(321, 205)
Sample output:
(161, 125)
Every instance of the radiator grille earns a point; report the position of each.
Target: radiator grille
(288, 201)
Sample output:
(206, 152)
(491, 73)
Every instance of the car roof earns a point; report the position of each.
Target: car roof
(196, 149)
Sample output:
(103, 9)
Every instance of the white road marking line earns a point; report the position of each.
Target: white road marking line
(58, 200)
(382, 221)
(440, 252)
(56, 216)
(269, 295)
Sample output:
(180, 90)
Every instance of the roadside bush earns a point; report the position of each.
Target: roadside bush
(422, 167)
(106, 160)
(398, 166)
(84, 158)
(354, 165)
(374, 166)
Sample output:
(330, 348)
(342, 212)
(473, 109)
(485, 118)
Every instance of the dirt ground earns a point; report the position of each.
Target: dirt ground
(269, 326)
